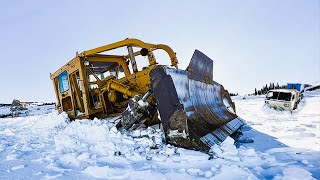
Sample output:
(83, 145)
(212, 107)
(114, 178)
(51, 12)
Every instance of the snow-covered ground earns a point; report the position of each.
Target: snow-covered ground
(4, 110)
(46, 145)
(32, 109)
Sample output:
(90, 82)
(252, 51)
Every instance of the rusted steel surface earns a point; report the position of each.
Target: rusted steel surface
(196, 112)
(200, 67)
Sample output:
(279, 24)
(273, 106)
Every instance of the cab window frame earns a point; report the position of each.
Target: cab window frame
(63, 82)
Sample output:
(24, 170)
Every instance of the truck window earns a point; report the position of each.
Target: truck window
(63, 82)
(272, 95)
(284, 96)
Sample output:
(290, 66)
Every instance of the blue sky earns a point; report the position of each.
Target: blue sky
(251, 42)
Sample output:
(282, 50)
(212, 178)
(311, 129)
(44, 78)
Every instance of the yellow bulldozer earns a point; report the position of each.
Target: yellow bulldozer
(195, 111)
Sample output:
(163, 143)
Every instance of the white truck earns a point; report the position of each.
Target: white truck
(283, 99)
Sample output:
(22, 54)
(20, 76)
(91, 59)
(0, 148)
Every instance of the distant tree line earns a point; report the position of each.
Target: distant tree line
(234, 94)
(266, 88)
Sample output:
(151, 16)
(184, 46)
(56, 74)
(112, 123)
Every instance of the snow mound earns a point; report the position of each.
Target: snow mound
(294, 174)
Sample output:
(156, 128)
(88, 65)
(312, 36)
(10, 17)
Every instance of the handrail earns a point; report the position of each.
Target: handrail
(135, 43)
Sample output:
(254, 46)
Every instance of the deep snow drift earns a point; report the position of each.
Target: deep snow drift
(47, 146)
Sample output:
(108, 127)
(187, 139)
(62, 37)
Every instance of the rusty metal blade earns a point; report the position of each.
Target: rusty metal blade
(195, 113)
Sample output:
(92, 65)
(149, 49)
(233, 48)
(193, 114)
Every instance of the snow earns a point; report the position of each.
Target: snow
(17, 167)
(142, 103)
(299, 129)
(294, 174)
(33, 109)
(46, 145)
(5, 110)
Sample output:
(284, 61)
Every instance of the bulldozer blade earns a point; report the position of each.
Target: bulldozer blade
(196, 112)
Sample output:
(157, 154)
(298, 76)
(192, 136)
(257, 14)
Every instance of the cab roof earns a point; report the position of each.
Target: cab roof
(284, 90)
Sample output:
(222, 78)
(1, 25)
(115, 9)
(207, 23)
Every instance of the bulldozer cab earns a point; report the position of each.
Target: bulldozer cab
(78, 84)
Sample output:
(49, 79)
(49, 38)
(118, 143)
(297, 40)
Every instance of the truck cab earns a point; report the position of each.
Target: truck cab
(283, 99)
